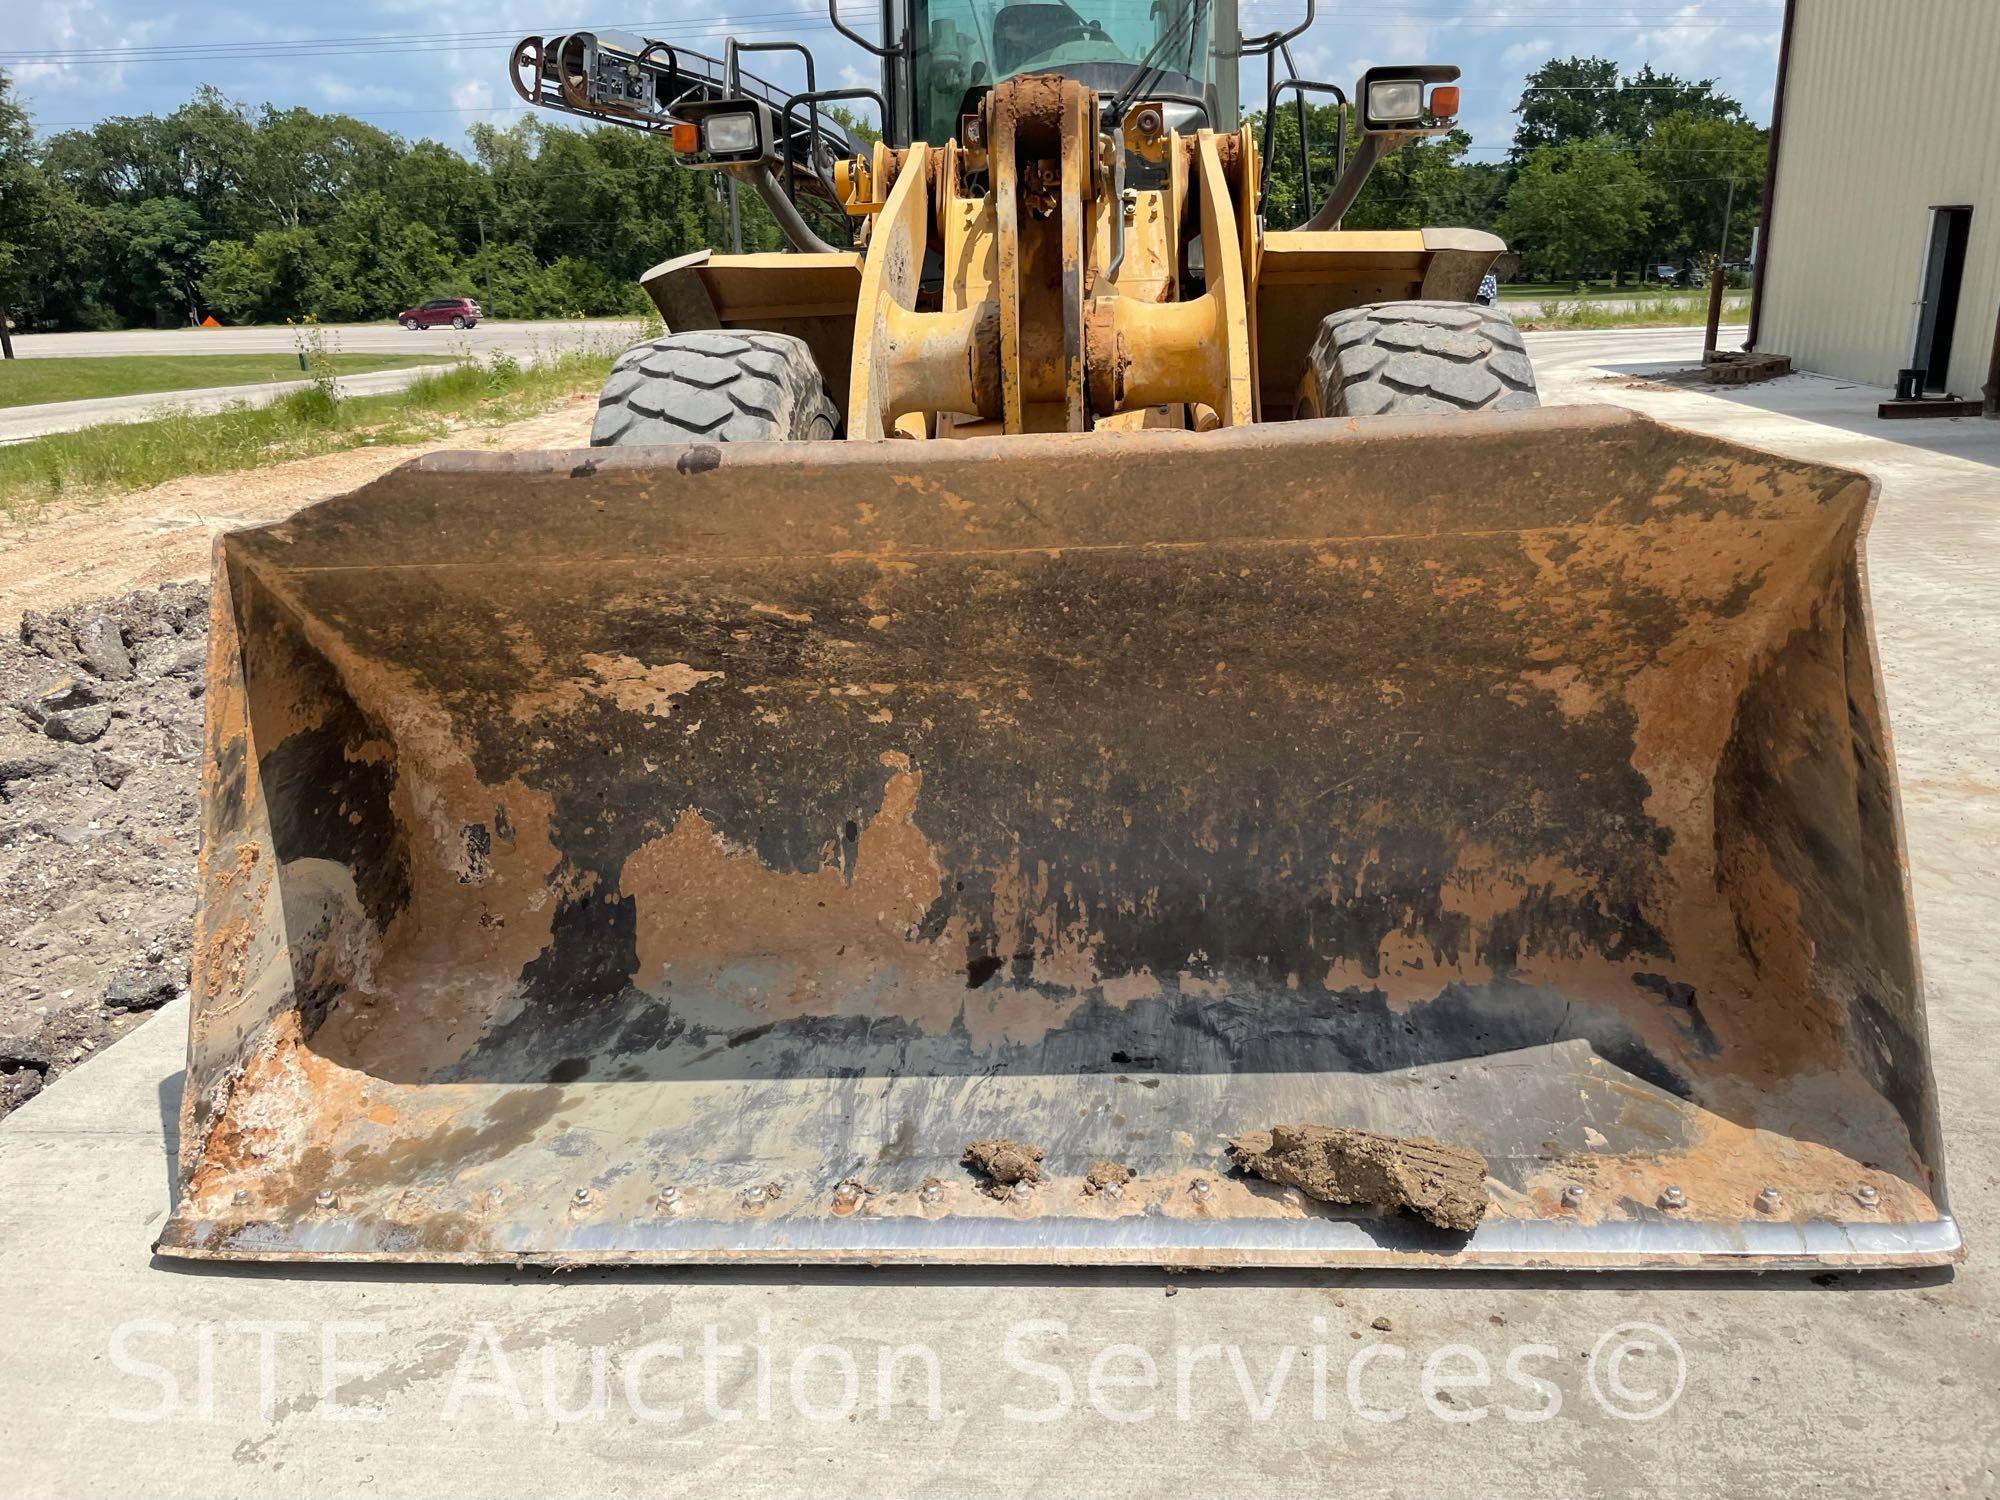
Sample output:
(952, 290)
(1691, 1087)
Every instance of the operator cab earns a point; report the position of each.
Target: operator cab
(967, 46)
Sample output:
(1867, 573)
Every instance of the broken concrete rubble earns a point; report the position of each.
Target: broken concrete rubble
(97, 844)
(101, 644)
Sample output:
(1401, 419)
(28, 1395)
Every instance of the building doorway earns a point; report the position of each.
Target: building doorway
(1937, 313)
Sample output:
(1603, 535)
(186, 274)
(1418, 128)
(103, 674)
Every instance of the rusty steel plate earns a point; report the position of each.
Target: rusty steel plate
(682, 854)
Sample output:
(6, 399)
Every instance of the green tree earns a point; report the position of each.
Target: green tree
(303, 164)
(1473, 196)
(1284, 186)
(32, 211)
(235, 283)
(211, 145)
(1578, 209)
(267, 280)
(1567, 100)
(512, 283)
(272, 214)
(858, 129)
(1416, 186)
(1694, 163)
(156, 246)
(579, 286)
(432, 184)
(123, 159)
(1426, 182)
(366, 263)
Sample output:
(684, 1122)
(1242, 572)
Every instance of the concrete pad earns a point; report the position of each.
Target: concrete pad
(1833, 420)
(1781, 1386)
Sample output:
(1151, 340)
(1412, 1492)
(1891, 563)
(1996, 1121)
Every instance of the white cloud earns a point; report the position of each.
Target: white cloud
(1314, 59)
(346, 94)
(1682, 43)
(67, 25)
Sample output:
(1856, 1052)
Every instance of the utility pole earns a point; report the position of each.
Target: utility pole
(1714, 333)
(1717, 280)
(1728, 209)
(480, 215)
(6, 335)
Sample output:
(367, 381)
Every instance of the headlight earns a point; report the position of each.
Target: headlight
(732, 134)
(1393, 100)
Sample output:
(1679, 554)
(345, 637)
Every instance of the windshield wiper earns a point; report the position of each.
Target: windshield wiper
(1150, 68)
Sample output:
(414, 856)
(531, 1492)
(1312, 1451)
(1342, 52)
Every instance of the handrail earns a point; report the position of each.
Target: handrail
(815, 98)
(900, 49)
(1301, 87)
(812, 89)
(1270, 41)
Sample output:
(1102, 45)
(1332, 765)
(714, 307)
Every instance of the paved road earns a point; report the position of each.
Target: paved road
(1578, 364)
(524, 341)
(1793, 1385)
(519, 338)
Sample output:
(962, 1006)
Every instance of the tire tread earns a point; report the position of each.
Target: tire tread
(714, 386)
(1417, 357)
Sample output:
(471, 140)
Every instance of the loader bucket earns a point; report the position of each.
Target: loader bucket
(683, 854)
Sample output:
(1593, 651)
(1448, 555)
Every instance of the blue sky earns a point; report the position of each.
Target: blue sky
(432, 67)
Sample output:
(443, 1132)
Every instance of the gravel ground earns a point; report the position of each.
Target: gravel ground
(101, 732)
(100, 743)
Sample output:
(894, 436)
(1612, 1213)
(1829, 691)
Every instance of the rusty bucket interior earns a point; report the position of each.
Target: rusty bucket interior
(682, 854)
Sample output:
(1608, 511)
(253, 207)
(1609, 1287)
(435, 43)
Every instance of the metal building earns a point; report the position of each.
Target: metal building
(1881, 242)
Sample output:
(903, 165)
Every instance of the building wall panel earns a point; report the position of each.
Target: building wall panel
(1892, 108)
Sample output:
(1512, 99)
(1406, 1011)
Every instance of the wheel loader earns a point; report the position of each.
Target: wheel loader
(1055, 669)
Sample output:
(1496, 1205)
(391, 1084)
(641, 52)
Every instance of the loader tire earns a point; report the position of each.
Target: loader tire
(1416, 356)
(714, 387)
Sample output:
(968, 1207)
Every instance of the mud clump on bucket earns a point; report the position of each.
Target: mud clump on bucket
(1107, 1175)
(1004, 1163)
(1445, 1185)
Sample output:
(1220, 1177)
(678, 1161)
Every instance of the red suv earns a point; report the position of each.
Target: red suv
(460, 312)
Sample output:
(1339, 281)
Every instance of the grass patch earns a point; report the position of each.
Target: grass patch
(28, 382)
(1658, 312)
(304, 423)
